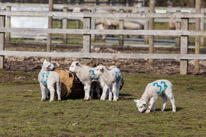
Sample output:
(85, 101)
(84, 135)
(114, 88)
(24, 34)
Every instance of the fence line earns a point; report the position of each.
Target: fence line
(119, 16)
(103, 55)
(95, 7)
(109, 32)
(87, 32)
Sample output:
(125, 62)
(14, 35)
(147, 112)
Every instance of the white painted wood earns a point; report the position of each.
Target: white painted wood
(2, 40)
(184, 46)
(102, 15)
(102, 32)
(87, 37)
(103, 55)
(60, 6)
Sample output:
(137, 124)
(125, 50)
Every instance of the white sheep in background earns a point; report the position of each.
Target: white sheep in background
(110, 80)
(86, 76)
(47, 80)
(157, 88)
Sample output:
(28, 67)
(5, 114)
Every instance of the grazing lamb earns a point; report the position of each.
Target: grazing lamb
(157, 88)
(110, 80)
(86, 76)
(47, 80)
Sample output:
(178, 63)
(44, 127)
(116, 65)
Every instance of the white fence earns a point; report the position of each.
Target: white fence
(87, 32)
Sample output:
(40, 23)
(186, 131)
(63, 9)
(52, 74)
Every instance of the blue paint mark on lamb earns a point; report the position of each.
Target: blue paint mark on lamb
(44, 76)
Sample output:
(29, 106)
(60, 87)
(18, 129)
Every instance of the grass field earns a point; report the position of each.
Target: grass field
(23, 114)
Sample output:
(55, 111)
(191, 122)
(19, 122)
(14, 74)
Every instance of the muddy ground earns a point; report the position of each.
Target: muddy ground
(126, 65)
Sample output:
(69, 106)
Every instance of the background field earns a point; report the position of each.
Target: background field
(23, 114)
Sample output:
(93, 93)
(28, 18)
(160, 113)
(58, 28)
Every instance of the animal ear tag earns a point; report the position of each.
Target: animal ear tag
(136, 100)
(143, 102)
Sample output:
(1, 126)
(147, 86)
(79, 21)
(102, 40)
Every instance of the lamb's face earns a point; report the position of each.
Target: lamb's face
(49, 66)
(141, 105)
(99, 70)
(73, 66)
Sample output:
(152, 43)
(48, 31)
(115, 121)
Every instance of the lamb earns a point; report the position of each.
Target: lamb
(110, 80)
(86, 76)
(157, 88)
(47, 80)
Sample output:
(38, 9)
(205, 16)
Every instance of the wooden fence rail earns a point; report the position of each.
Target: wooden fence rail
(102, 7)
(102, 32)
(87, 31)
(119, 16)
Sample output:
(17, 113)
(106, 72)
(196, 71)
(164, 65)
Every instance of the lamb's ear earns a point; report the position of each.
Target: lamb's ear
(136, 100)
(45, 61)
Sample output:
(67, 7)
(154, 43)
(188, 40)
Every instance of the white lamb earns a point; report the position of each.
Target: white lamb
(86, 76)
(48, 79)
(157, 88)
(110, 80)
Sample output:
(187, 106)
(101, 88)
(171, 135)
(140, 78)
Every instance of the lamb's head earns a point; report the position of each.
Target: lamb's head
(99, 70)
(141, 105)
(48, 66)
(74, 66)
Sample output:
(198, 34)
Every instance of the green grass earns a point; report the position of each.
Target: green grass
(23, 114)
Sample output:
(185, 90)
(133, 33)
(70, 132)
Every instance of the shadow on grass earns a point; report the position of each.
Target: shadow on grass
(123, 96)
(170, 109)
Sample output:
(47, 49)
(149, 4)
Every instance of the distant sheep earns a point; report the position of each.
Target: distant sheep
(114, 24)
(47, 80)
(157, 88)
(110, 80)
(85, 74)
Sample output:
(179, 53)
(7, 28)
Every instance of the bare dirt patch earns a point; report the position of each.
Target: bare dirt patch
(126, 65)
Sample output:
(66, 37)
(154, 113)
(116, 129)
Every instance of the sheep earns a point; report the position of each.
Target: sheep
(157, 88)
(110, 80)
(47, 80)
(85, 74)
(96, 90)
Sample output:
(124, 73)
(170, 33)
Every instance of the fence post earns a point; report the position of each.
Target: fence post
(8, 24)
(151, 27)
(2, 41)
(146, 27)
(64, 26)
(93, 24)
(49, 36)
(202, 39)
(87, 37)
(184, 46)
(121, 27)
(178, 27)
(197, 38)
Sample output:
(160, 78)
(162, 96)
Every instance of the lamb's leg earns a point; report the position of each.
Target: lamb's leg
(170, 96)
(114, 91)
(87, 92)
(58, 87)
(154, 107)
(104, 93)
(164, 102)
(52, 92)
(47, 93)
(43, 92)
(151, 104)
(110, 94)
(118, 88)
(172, 100)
